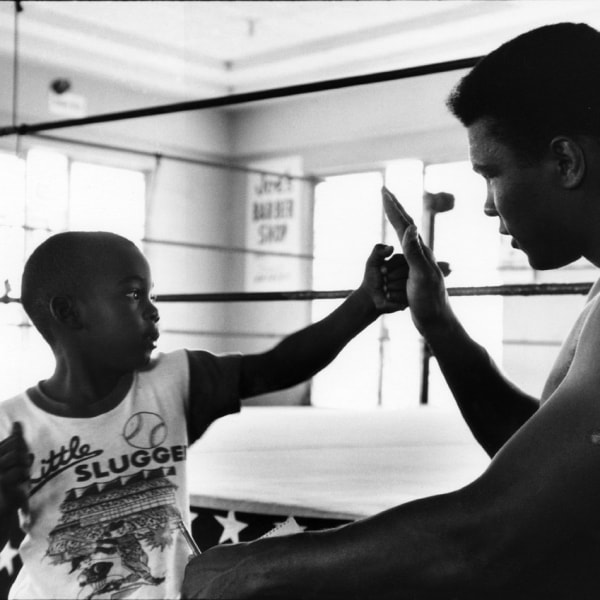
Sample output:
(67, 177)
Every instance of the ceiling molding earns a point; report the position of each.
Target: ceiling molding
(197, 49)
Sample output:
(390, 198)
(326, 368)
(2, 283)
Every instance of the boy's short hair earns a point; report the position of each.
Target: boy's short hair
(60, 266)
(542, 83)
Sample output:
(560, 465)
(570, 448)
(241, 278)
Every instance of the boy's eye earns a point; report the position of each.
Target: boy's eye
(138, 294)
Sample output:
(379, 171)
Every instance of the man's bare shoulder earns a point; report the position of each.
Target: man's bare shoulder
(594, 290)
(588, 319)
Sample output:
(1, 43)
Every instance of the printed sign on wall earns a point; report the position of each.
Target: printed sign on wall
(274, 226)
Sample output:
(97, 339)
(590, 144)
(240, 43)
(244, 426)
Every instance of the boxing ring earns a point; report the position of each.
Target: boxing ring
(303, 467)
(322, 467)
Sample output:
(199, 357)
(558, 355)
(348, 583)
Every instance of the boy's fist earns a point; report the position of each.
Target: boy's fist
(385, 279)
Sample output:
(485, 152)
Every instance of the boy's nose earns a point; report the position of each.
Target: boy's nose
(152, 313)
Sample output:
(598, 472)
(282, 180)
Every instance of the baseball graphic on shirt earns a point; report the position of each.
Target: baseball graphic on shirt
(145, 430)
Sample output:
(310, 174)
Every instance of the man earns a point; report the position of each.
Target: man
(529, 527)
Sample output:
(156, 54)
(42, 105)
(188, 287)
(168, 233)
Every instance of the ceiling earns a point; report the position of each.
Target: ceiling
(199, 49)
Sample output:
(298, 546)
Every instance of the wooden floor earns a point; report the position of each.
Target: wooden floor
(329, 463)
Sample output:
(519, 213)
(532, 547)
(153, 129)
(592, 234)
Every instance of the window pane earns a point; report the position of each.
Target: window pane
(469, 240)
(464, 236)
(347, 223)
(12, 184)
(401, 380)
(107, 199)
(47, 190)
(12, 208)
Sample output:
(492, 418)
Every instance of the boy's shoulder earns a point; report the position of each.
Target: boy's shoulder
(16, 400)
(166, 370)
(165, 360)
(14, 408)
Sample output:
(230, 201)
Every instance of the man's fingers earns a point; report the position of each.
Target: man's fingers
(395, 212)
(429, 256)
(411, 244)
(417, 254)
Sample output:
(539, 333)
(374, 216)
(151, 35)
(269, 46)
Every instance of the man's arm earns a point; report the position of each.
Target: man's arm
(539, 497)
(303, 353)
(492, 406)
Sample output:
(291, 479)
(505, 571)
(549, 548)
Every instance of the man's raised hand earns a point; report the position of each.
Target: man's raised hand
(425, 290)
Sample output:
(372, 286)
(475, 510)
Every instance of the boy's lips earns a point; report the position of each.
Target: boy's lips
(152, 337)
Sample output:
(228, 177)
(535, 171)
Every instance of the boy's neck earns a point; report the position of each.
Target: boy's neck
(75, 394)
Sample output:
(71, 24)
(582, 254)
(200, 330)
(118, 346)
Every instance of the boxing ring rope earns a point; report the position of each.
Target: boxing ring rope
(531, 289)
(246, 97)
(174, 157)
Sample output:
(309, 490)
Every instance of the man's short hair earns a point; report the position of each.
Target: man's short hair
(61, 266)
(540, 84)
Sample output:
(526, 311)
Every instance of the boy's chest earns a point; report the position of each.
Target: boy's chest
(93, 455)
(108, 498)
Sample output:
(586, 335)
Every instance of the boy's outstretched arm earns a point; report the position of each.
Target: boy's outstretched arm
(492, 406)
(14, 477)
(303, 353)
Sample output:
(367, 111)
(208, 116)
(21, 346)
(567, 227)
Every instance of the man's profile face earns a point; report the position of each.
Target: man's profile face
(525, 197)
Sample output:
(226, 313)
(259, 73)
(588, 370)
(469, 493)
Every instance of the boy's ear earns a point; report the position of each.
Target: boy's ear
(569, 157)
(64, 311)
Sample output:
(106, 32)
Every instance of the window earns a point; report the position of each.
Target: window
(382, 366)
(42, 194)
(347, 223)
(107, 199)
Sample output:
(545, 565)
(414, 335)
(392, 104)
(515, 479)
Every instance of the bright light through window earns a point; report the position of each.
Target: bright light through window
(42, 195)
(469, 240)
(348, 222)
(47, 190)
(383, 365)
(12, 236)
(107, 199)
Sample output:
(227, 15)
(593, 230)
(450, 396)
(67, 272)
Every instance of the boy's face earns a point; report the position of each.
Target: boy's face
(525, 196)
(118, 317)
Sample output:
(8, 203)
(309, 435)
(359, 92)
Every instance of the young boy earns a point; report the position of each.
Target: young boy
(94, 457)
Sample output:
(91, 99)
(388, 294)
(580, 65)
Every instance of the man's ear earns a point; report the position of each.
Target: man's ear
(65, 312)
(569, 157)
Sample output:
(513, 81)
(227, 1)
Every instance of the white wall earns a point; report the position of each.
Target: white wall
(363, 125)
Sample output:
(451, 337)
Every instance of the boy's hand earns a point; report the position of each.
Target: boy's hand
(14, 471)
(425, 290)
(385, 279)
